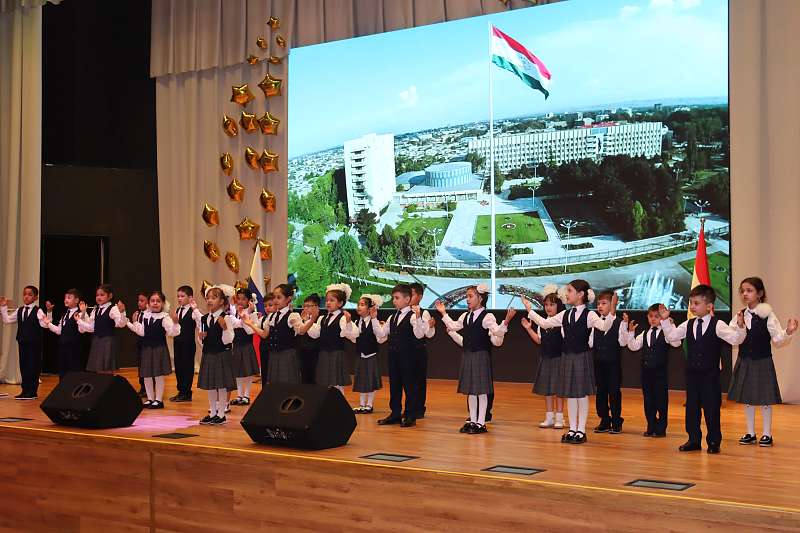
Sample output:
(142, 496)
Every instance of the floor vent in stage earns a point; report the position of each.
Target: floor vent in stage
(175, 435)
(10, 419)
(663, 485)
(519, 470)
(393, 457)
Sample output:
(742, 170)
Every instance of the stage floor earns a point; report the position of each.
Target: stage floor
(761, 480)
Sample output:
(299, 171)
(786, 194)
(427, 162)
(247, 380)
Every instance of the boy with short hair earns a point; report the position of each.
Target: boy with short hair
(417, 292)
(607, 355)
(30, 320)
(307, 347)
(185, 345)
(70, 346)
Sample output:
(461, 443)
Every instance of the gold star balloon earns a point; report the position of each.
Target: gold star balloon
(280, 41)
(268, 161)
(268, 124)
(251, 157)
(262, 43)
(264, 249)
(274, 22)
(271, 86)
(267, 199)
(240, 284)
(235, 190)
(232, 260)
(210, 215)
(229, 126)
(248, 230)
(275, 60)
(226, 162)
(211, 250)
(241, 95)
(205, 286)
(248, 122)
(253, 59)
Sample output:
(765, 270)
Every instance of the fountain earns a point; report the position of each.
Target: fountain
(649, 288)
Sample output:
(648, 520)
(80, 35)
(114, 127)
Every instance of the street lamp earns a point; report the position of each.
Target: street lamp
(568, 224)
(701, 205)
(434, 232)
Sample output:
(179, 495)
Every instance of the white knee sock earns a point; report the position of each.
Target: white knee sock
(148, 387)
(472, 401)
(766, 415)
(222, 402)
(362, 399)
(159, 388)
(483, 403)
(213, 398)
(572, 412)
(750, 418)
(248, 381)
(583, 413)
(370, 398)
(240, 387)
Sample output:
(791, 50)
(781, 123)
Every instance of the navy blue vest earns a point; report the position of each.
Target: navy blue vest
(366, 342)
(758, 342)
(552, 342)
(213, 341)
(263, 344)
(401, 335)
(103, 323)
(241, 337)
(29, 331)
(281, 335)
(703, 354)
(476, 337)
(606, 345)
(655, 356)
(188, 325)
(154, 334)
(576, 336)
(330, 335)
(70, 333)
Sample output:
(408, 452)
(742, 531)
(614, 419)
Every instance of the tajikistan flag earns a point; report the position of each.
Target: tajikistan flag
(510, 55)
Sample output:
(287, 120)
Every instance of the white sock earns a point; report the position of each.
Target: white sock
(548, 417)
(148, 387)
(362, 399)
(483, 403)
(240, 387)
(159, 388)
(472, 401)
(212, 402)
(560, 417)
(370, 398)
(222, 402)
(248, 381)
(750, 418)
(572, 411)
(583, 413)
(766, 415)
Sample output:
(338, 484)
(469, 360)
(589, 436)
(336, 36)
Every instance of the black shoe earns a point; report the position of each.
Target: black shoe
(218, 420)
(615, 429)
(245, 401)
(157, 405)
(421, 415)
(648, 434)
(181, 398)
(408, 422)
(660, 435)
(227, 409)
(236, 401)
(765, 441)
(26, 397)
(713, 448)
(388, 421)
(689, 446)
(476, 429)
(466, 427)
(602, 428)
(568, 437)
(579, 438)
(176, 398)
(358, 410)
(748, 439)
(207, 420)
(367, 411)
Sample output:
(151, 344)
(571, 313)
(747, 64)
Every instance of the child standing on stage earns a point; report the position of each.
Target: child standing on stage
(260, 328)
(185, 347)
(308, 347)
(30, 320)
(368, 371)
(655, 371)
(754, 381)
(216, 375)
(142, 302)
(281, 331)
(546, 381)
(576, 377)
(101, 323)
(403, 329)
(607, 354)
(69, 338)
(243, 353)
(417, 292)
(331, 330)
(154, 326)
(479, 332)
(704, 336)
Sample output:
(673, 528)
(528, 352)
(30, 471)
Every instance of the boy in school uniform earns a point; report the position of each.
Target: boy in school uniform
(403, 329)
(70, 345)
(417, 292)
(607, 355)
(30, 320)
(307, 348)
(187, 316)
(704, 336)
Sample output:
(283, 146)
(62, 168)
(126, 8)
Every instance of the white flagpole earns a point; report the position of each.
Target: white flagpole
(492, 250)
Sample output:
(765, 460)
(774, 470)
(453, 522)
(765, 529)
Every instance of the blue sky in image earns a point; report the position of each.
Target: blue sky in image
(599, 52)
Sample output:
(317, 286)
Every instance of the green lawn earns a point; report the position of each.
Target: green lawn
(719, 268)
(418, 225)
(527, 228)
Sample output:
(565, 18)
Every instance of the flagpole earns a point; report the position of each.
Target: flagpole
(492, 250)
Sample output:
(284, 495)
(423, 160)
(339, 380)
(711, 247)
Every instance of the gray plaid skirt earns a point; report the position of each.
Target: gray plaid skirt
(244, 362)
(546, 382)
(330, 368)
(283, 367)
(215, 371)
(154, 362)
(102, 356)
(475, 376)
(754, 382)
(368, 375)
(576, 375)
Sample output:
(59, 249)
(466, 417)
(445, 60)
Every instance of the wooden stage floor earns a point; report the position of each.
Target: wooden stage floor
(218, 480)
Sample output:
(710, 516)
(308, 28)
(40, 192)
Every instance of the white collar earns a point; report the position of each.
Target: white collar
(101, 307)
(150, 314)
(705, 318)
(579, 308)
(72, 309)
(332, 314)
(216, 314)
(404, 310)
(657, 328)
(284, 310)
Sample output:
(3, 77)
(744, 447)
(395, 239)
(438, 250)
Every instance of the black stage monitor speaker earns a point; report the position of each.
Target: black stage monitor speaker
(88, 400)
(311, 417)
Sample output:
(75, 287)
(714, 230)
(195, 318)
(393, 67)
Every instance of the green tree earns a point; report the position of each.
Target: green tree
(347, 258)
(312, 274)
(372, 243)
(639, 220)
(477, 161)
(341, 214)
(690, 161)
(388, 247)
(504, 252)
(365, 220)
(499, 178)
(717, 192)
(314, 235)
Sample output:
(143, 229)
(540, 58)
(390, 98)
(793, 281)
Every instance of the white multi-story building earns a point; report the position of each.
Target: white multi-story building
(369, 173)
(594, 142)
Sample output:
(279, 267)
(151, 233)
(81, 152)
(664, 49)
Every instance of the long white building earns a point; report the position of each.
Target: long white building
(594, 142)
(369, 173)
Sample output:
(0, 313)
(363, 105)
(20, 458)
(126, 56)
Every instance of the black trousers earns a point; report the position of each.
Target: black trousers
(184, 366)
(703, 394)
(403, 378)
(308, 358)
(30, 366)
(655, 390)
(608, 401)
(422, 376)
(69, 358)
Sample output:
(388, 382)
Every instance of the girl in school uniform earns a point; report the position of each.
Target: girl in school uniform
(754, 382)
(479, 332)
(280, 331)
(216, 375)
(576, 375)
(368, 337)
(259, 327)
(101, 323)
(154, 326)
(551, 341)
(243, 354)
(331, 330)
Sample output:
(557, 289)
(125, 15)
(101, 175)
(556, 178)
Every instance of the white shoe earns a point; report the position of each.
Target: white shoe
(559, 424)
(546, 424)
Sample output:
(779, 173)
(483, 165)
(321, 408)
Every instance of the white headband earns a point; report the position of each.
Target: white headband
(344, 287)
(376, 299)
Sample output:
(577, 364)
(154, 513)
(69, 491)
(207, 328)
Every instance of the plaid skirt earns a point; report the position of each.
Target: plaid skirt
(754, 382)
(475, 376)
(215, 371)
(368, 375)
(283, 367)
(102, 356)
(546, 382)
(576, 375)
(244, 362)
(330, 368)
(154, 361)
